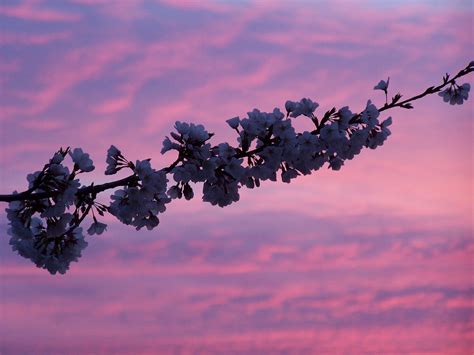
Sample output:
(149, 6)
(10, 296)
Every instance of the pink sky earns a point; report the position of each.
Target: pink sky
(375, 258)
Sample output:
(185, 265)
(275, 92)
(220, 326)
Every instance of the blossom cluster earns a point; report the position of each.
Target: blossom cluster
(139, 204)
(456, 95)
(43, 230)
(44, 224)
(272, 148)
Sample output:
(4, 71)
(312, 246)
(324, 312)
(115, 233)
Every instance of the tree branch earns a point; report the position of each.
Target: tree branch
(95, 189)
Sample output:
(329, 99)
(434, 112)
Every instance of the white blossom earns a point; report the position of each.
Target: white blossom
(139, 206)
(234, 168)
(55, 210)
(272, 156)
(143, 169)
(97, 228)
(464, 90)
(221, 194)
(59, 226)
(185, 173)
(191, 132)
(59, 171)
(331, 134)
(345, 116)
(456, 95)
(32, 178)
(149, 221)
(114, 160)
(225, 151)
(357, 141)
(382, 85)
(305, 107)
(369, 115)
(57, 158)
(175, 192)
(70, 249)
(53, 247)
(283, 129)
(82, 160)
(188, 192)
(233, 122)
(336, 163)
(308, 143)
(255, 125)
(288, 175)
(169, 145)
(263, 172)
(201, 152)
(385, 124)
(290, 106)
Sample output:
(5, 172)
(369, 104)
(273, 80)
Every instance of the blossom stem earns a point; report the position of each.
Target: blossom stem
(430, 90)
(27, 195)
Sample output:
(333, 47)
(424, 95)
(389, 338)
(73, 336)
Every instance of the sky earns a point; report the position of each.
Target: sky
(375, 258)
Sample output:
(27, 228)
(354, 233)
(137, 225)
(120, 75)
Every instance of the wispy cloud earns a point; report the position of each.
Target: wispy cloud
(34, 10)
(32, 39)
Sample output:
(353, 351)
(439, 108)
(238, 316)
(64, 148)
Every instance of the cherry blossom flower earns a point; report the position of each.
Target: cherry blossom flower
(115, 161)
(57, 158)
(288, 175)
(233, 122)
(369, 115)
(305, 107)
(82, 160)
(456, 95)
(97, 228)
(382, 85)
(175, 192)
(188, 192)
(169, 145)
